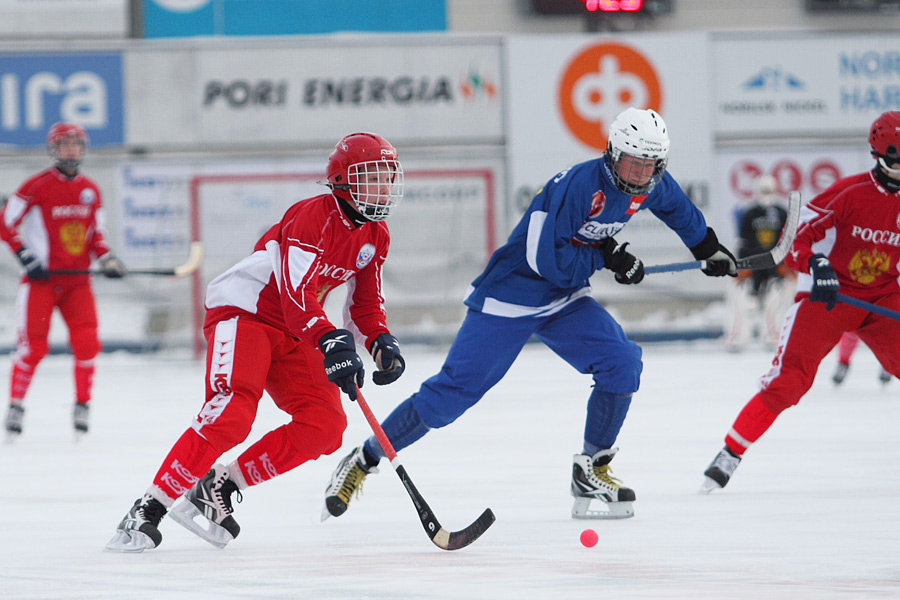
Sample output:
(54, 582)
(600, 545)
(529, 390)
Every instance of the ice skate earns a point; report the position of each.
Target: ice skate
(139, 529)
(884, 377)
(840, 373)
(720, 471)
(14, 417)
(80, 419)
(592, 480)
(210, 498)
(346, 482)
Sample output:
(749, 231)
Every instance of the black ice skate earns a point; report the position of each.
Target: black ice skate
(14, 417)
(346, 482)
(81, 413)
(592, 480)
(720, 470)
(139, 529)
(840, 373)
(885, 377)
(210, 498)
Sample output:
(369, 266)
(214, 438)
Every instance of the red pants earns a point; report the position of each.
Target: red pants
(809, 334)
(34, 307)
(244, 358)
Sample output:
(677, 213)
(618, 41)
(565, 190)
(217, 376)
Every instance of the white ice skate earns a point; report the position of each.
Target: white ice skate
(592, 480)
(210, 499)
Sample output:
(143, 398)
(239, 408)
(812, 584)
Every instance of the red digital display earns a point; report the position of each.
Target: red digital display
(613, 5)
(597, 7)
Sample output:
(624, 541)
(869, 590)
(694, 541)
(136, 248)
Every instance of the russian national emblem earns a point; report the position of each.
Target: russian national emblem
(866, 266)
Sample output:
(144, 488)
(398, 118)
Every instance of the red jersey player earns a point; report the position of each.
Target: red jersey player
(849, 240)
(266, 331)
(55, 221)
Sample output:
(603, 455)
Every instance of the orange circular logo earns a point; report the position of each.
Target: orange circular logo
(599, 83)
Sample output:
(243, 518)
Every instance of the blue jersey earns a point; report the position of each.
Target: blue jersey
(548, 258)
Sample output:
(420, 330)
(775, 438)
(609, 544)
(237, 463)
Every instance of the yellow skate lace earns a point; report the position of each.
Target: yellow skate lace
(352, 485)
(604, 474)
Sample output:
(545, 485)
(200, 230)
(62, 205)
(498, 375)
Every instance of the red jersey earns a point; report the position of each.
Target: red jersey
(296, 263)
(59, 219)
(856, 224)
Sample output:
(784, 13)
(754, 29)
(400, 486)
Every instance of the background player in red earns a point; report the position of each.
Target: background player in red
(55, 221)
(266, 331)
(848, 240)
(846, 348)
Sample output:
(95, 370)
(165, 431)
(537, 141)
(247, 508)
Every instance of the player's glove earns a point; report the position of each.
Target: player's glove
(627, 267)
(825, 283)
(112, 266)
(343, 366)
(388, 361)
(719, 259)
(34, 270)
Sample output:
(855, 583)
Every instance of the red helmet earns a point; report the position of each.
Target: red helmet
(884, 138)
(364, 169)
(66, 131)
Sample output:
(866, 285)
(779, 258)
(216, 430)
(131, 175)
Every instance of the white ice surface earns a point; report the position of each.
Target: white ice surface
(812, 512)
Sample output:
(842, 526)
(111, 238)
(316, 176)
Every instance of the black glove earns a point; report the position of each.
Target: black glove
(34, 270)
(112, 267)
(343, 366)
(719, 259)
(626, 266)
(825, 284)
(388, 361)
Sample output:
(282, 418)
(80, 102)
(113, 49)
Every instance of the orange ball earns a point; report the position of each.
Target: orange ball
(589, 538)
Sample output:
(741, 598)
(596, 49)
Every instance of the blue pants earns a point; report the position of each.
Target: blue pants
(583, 334)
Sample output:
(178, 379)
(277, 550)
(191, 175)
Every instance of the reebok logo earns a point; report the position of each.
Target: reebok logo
(338, 366)
(331, 343)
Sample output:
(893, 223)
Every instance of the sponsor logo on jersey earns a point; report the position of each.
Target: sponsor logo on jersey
(635, 205)
(866, 265)
(365, 256)
(594, 231)
(87, 196)
(877, 236)
(598, 202)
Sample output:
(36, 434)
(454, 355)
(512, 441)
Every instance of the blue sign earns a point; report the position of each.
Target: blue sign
(37, 90)
(184, 18)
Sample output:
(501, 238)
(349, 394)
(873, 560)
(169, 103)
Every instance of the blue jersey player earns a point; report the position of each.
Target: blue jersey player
(537, 285)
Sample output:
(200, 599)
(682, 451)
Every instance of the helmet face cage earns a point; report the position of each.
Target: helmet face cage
(637, 137)
(884, 141)
(376, 187)
(61, 132)
(627, 168)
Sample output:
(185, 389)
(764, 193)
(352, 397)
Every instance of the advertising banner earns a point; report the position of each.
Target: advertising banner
(37, 90)
(181, 18)
(826, 85)
(407, 91)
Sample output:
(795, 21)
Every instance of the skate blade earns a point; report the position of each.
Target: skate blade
(78, 435)
(11, 437)
(581, 509)
(124, 541)
(184, 514)
(709, 485)
(325, 514)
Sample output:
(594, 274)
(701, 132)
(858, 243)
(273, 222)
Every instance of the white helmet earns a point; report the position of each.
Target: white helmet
(640, 134)
(765, 190)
